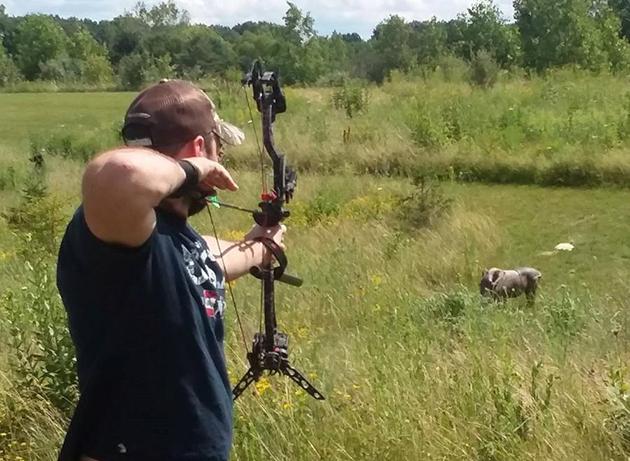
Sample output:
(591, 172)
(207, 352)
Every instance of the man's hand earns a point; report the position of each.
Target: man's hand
(212, 175)
(239, 257)
(275, 233)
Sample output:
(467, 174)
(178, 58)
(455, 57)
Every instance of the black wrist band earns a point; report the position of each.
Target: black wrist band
(191, 181)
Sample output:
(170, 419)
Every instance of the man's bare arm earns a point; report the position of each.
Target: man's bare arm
(122, 187)
(236, 258)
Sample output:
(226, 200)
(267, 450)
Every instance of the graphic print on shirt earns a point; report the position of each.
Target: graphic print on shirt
(197, 262)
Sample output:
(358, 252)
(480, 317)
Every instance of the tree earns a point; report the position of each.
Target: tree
(582, 32)
(9, 72)
(38, 40)
(123, 36)
(298, 27)
(352, 38)
(137, 69)
(91, 57)
(82, 45)
(622, 9)
(391, 45)
(205, 50)
(428, 41)
(252, 45)
(163, 14)
(484, 28)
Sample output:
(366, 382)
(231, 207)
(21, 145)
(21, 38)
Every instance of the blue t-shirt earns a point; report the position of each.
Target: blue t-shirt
(147, 324)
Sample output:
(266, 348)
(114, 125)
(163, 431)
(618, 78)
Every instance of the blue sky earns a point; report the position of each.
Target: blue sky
(344, 16)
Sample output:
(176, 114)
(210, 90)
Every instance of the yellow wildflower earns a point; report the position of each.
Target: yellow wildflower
(376, 280)
(262, 385)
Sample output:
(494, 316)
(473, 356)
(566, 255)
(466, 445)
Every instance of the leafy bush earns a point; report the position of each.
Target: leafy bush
(452, 69)
(424, 206)
(61, 69)
(484, 70)
(352, 98)
(449, 307)
(427, 129)
(323, 207)
(564, 316)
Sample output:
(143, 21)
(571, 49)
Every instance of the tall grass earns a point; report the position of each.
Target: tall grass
(390, 327)
(389, 324)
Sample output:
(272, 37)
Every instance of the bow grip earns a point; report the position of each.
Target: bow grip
(279, 271)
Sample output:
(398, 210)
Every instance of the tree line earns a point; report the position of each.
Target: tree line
(149, 43)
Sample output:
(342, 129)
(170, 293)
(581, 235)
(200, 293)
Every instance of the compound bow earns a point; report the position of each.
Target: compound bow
(270, 348)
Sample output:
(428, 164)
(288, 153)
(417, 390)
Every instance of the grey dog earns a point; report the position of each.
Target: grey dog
(501, 284)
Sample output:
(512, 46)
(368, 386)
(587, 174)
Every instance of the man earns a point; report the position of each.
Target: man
(144, 292)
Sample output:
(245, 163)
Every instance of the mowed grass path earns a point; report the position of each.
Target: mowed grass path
(26, 115)
(532, 220)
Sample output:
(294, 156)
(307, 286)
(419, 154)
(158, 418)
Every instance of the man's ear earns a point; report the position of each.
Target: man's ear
(199, 146)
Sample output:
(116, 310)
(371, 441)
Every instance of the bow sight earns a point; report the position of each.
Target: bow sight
(270, 348)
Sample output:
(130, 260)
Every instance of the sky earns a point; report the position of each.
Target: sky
(344, 16)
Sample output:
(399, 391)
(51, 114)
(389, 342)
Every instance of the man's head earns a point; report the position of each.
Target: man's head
(176, 118)
(172, 113)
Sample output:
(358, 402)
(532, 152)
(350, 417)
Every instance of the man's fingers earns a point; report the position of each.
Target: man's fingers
(231, 184)
(226, 180)
(221, 179)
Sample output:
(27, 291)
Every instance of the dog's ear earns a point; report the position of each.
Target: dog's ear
(495, 276)
(484, 272)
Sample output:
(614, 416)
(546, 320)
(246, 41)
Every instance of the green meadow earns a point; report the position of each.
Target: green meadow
(389, 324)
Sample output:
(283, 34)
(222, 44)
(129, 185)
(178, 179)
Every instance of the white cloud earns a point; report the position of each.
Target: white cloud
(345, 16)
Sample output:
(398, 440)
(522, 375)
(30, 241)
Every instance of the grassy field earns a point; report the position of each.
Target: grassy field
(389, 323)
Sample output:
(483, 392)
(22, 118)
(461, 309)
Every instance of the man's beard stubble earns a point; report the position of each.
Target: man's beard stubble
(196, 205)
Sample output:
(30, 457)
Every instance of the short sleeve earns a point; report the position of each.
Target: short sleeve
(80, 246)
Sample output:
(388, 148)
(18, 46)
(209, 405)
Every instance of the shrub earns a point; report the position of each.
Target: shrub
(484, 71)
(352, 98)
(452, 68)
(424, 206)
(323, 207)
(426, 124)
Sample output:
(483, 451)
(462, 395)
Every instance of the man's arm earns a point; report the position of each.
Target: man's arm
(239, 257)
(236, 258)
(122, 187)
